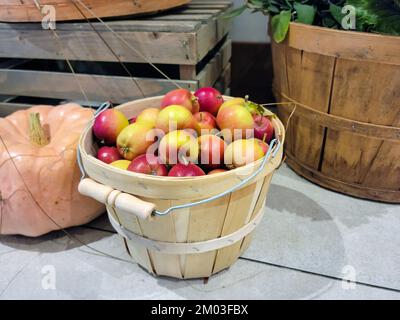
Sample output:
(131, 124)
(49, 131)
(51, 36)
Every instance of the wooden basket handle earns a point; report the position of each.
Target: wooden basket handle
(118, 199)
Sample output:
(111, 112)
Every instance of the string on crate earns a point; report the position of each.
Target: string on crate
(141, 55)
(133, 79)
(61, 48)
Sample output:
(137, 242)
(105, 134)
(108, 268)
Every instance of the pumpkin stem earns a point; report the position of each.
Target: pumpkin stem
(37, 134)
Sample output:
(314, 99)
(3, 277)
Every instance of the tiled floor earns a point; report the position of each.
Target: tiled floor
(309, 239)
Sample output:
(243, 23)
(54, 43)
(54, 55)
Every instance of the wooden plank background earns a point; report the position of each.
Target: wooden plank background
(182, 37)
(170, 38)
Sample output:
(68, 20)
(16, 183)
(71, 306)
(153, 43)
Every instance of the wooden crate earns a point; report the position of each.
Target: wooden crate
(189, 44)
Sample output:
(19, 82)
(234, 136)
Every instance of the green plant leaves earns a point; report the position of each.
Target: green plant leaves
(382, 16)
(336, 12)
(305, 13)
(234, 12)
(280, 25)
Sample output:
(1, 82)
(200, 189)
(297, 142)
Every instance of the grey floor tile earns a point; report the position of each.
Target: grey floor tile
(80, 274)
(311, 228)
(305, 227)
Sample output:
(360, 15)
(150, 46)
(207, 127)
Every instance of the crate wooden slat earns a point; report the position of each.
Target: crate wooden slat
(192, 39)
(62, 85)
(169, 41)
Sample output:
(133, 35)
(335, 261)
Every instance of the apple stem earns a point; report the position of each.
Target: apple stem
(264, 137)
(37, 134)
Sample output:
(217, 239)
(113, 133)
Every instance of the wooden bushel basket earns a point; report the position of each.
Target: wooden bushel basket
(186, 243)
(345, 131)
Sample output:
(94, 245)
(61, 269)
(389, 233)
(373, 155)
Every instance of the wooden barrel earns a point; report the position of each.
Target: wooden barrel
(191, 242)
(345, 132)
(34, 11)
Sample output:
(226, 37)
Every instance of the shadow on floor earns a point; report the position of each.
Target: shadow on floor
(285, 199)
(55, 241)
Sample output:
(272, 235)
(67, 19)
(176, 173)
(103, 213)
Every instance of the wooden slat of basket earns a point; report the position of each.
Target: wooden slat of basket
(237, 213)
(206, 222)
(343, 150)
(162, 228)
(180, 220)
(259, 205)
(366, 46)
(306, 72)
(138, 253)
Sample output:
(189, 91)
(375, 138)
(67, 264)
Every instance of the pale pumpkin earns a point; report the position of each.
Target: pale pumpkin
(43, 144)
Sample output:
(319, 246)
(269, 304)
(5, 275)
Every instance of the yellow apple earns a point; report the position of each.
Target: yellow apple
(121, 164)
(148, 115)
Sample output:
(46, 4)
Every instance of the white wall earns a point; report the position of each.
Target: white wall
(249, 27)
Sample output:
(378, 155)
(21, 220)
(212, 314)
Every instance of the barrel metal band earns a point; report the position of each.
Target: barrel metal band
(320, 176)
(339, 123)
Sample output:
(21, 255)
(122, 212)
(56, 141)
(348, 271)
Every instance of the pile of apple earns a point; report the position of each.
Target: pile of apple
(189, 135)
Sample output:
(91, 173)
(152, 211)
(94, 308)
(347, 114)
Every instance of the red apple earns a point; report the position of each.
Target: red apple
(108, 124)
(148, 164)
(108, 154)
(205, 122)
(134, 140)
(235, 120)
(210, 99)
(263, 128)
(212, 150)
(216, 171)
(181, 97)
(185, 170)
(175, 117)
(264, 146)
